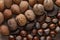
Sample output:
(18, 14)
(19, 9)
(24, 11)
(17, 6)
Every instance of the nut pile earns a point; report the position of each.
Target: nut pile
(30, 19)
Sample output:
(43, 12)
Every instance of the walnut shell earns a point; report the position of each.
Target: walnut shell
(30, 15)
(15, 9)
(12, 24)
(21, 19)
(38, 9)
(4, 30)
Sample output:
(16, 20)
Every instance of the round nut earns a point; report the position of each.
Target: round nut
(15, 9)
(8, 3)
(30, 15)
(1, 18)
(4, 30)
(21, 19)
(48, 4)
(40, 1)
(55, 20)
(17, 1)
(1, 5)
(59, 23)
(24, 5)
(58, 15)
(48, 38)
(38, 9)
(57, 2)
(35, 38)
(18, 38)
(12, 24)
(7, 13)
(32, 2)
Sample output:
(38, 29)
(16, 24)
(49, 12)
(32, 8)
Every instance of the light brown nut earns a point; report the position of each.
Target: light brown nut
(24, 5)
(21, 19)
(15, 9)
(57, 2)
(38, 9)
(17, 1)
(30, 15)
(4, 30)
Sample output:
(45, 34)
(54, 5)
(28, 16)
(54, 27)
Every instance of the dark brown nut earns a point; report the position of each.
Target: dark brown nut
(32, 2)
(57, 2)
(4, 30)
(42, 38)
(1, 18)
(55, 20)
(1, 5)
(57, 29)
(18, 38)
(34, 32)
(47, 31)
(52, 26)
(59, 23)
(38, 9)
(24, 5)
(58, 15)
(48, 19)
(8, 3)
(44, 25)
(30, 15)
(48, 4)
(30, 37)
(7, 13)
(11, 37)
(40, 1)
(25, 38)
(17, 1)
(12, 24)
(35, 38)
(48, 38)
(40, 32)
(15, 9)
(21, 20)
(23, 33)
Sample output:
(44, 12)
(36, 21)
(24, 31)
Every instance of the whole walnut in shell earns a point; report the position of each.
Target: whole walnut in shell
(48, 4)
(30, 15)
(15, 9)
(1, 5)
(8, 3)
(12, 24)
(38, 9)
(24, 5)
(4, 30)
(21, 19)
(1, 17)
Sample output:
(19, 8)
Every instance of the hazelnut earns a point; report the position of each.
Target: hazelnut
(17, 1)
(42, 38)
(38, 9)
(48, 4)
(32, 2)
(4, 30)
(24, 5)
(35, 38)
(52, 26)
(59, 23)
(18, 38)
(15, 9)
(25, 38)
(55, 20)
(7, 13)
(30, 37)
(58, 15)
(12, 24)
(1, 17)
(21, 19)
(44, 25)
(48, 38)
(8, 3)
(48, 19)
(57, 2)
(30, 15)
(40, 1)
(11, 37)
(1, 5)
(23, 33)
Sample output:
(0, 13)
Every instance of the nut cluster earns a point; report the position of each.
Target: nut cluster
(29, 19)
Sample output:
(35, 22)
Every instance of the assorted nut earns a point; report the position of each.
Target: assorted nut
(29, 19)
